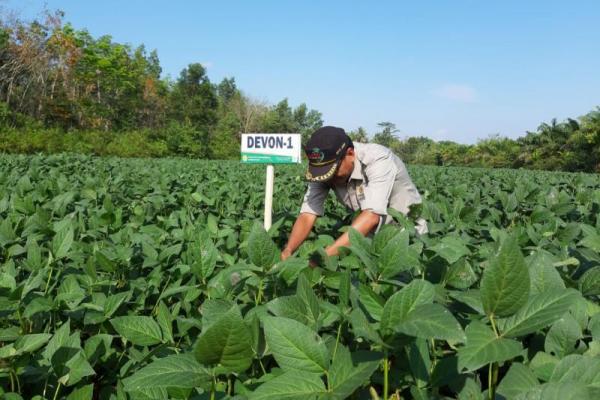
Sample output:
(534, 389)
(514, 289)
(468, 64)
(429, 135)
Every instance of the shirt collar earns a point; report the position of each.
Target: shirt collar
(357, 171)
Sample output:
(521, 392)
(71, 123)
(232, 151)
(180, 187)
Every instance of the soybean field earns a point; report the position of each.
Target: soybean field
(154, 279)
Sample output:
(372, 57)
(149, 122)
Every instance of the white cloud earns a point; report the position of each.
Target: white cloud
(207, 64)
(457, 92)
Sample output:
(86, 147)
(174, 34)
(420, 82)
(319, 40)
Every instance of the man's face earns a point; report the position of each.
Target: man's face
(345, 169)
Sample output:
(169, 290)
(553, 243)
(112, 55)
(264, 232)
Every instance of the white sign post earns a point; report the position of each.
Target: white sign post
(271, 148)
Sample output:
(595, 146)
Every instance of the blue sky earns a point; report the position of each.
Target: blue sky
(450, 70)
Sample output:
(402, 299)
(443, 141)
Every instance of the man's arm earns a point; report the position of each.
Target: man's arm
(300, 232)
(365, 222)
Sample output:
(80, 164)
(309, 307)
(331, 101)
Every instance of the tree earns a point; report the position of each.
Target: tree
(387, 136)
(307, 121)
(226, 90)
(359, 135)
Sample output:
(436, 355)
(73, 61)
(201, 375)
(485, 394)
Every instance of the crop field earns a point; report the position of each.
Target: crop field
(153, 279)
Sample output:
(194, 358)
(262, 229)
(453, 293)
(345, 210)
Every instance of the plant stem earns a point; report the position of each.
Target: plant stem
(161, 293)
(373, 393)
(328, 381)
(258, 298)
(492, 380)
(56, 392)
(213, 389)
(18, 382)
(262, 366)
(494, 325)
(12, 381)
(385, 376)
(337, 341)
(48, 280)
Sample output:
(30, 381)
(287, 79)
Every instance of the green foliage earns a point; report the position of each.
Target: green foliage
(153, 279)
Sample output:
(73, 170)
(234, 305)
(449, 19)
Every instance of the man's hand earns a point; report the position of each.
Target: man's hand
(285, 254)
(300, 232)
(364, 223)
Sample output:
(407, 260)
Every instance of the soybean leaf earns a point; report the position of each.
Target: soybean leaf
(226, 343)
(138, 329)
(431, 321)
(540, 311)
(292, 385)
(165, 321)
(62, 241)
(505, 281)
(401, 303)
(557, 391)
(345, 376)
(563, 335)
(576, 368)
(519, 379)
(484, 347)
(261, 249)
(175, 371)
(295, 346)
(589, 282)
(451, 248)
(31, 342)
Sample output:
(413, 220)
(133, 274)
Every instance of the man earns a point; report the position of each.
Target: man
(365, 177)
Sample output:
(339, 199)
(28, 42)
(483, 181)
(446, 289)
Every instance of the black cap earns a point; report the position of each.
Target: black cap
(325, 149)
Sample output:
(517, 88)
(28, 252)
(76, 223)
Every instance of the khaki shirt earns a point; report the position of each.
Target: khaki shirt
(379, 180)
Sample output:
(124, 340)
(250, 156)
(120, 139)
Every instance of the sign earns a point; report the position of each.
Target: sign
(271, 148)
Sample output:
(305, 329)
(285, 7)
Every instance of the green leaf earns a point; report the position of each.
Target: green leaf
(589, 282)
(83, 393)
(175, 371)
(362, 327)
(345, 376)
(295, 346)
(557, 391)
(77, 368)
(138, 329)
(383, 237)
(397, 256)
(290, 307)
(62, 241)
(60, 338)
(505, 282)
(540, 311)
(32, 342)
(484, 347)
(519, 379)
(292, 385)
(451, 248)
(401, 303)
(431, 321)
(543, 274)
(419, 361)
(470, 391)
(460, 275)
(306, 294)
(113, 302)
(360, 246)
(562, 337)
(165, 321)
(227, 343)
(261, 249)
(542, 365)
(371, 301)
(579, 369)
(344, 288)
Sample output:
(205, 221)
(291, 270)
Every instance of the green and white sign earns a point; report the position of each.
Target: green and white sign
(271, 148)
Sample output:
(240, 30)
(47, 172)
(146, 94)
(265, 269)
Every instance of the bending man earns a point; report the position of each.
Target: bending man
(366, 177)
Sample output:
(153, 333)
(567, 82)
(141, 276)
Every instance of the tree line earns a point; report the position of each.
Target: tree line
(61, 89)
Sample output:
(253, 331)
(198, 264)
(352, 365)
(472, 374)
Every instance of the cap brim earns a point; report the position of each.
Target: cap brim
(321, 173)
